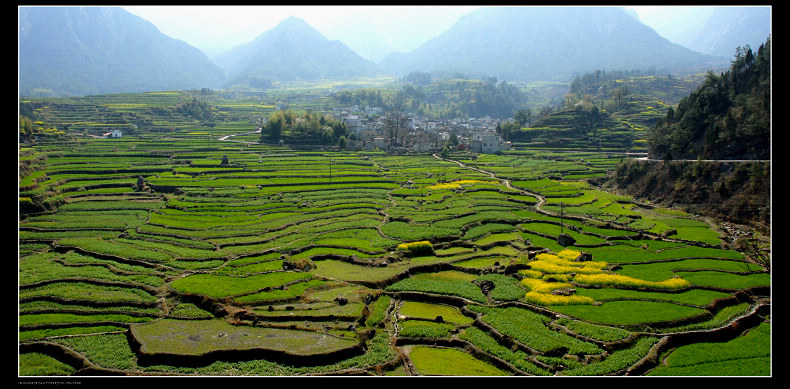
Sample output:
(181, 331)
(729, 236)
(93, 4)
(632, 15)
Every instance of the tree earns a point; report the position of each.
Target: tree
(393, 119)
(507, 129)
(273, 128)
(445, 151)
(670, 115)
(453, 139)
(25, 125)
(570, 100)
(339, 129)
(619, 95)
(522, 116)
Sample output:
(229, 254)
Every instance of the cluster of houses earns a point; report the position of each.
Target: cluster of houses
(368, 131)
(417, 134)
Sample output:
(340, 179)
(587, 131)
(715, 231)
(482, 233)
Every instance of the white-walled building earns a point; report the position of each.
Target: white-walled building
(113, 134)
(487, 143)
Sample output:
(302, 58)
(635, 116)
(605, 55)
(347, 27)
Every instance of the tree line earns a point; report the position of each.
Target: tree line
(442, 98)
(305, 128)
(727, 117)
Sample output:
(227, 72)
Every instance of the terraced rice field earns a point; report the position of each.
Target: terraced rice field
(287, 262)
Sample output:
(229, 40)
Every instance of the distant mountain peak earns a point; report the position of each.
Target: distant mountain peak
(294, 21)
(291, 50)
(95, 50)
(294, 25)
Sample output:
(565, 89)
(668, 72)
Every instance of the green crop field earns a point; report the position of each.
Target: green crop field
(147, 255)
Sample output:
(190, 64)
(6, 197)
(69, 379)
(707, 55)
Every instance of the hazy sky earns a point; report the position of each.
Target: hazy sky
(215, 29)
(212, 28)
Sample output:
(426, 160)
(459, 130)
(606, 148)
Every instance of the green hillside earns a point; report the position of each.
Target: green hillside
(606, 111)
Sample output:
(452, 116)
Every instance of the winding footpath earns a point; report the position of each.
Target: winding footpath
(227, 138)
(542, 201)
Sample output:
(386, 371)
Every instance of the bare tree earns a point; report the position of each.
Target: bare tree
(393, 120)
(751, 248)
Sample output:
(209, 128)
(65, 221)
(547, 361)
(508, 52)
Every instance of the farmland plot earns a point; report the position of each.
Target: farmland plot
(154, 257)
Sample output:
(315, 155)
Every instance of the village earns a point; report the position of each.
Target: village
(368, 131)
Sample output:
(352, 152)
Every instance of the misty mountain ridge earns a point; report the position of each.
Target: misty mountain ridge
(292, 50)
(730, 27)
(93, 50)
(548, 44)
(96, 50)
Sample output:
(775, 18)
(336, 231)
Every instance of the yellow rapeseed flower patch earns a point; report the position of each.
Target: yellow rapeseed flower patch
(423, 245)
(553, 264)
(530, 273)
(557, 277)
(553, 268)
(621, 280)
(457, 184)
(540, 293)
(549, 272)
(540, 286)
(550, 299)
(444, 186)
(568, 254)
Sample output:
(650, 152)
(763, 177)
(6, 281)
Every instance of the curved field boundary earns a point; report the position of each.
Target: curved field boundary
(247, 354)
(722, 334)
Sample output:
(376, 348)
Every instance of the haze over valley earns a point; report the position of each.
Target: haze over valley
(68, 51)
(394, 191)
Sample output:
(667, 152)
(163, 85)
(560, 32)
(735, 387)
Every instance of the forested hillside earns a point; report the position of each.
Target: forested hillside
(603, 111)
(438, 96)
(578, 128)
(728, 117)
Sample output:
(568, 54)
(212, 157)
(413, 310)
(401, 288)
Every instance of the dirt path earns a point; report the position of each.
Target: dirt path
(506, 182)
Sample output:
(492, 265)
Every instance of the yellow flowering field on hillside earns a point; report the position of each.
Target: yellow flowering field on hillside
(550, 279)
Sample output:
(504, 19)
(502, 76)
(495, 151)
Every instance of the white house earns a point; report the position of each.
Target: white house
(352, 121)
(379, 142)
(113, 134)
(487, 143)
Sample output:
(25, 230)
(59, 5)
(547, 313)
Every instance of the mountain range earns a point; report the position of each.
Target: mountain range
(96, 50)
(547, 44)
(93, 50)
(713, 30)
(735, 26)
(292, 50)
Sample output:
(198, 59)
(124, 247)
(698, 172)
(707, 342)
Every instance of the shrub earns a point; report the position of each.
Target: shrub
(417, 248)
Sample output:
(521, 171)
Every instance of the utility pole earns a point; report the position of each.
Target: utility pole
(562, 222)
